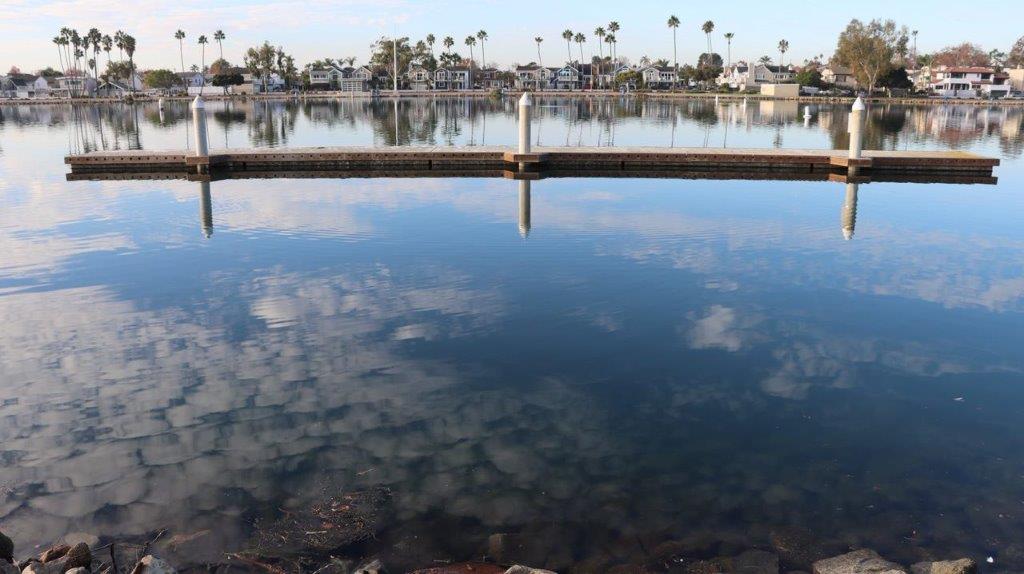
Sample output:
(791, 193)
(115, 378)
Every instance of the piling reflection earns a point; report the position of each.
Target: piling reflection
(205, 209)
(849, 213)
(524, 208)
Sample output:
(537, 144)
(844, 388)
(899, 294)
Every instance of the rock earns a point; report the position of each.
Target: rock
(756, 562)
(78, 557)
(79, 570)
(517, 569)
(371, 567)
(798, 548)
(8, 568)
(716, 566)
(127, 556)
(36, 568)
(857, 562)
(153, 565)
(463, 568)
(335, 566)
(54, 553)
(202, 547)
(962, 566)
(6, 549)
(76, 537)
(517, 549)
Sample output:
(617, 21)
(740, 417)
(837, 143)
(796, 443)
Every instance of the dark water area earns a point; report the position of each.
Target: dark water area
(601, 365)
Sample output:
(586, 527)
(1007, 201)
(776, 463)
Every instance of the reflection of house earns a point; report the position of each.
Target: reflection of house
(839, 76)
(659, 77)
(969, 82)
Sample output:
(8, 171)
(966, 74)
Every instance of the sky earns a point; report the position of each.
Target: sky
(314, 29)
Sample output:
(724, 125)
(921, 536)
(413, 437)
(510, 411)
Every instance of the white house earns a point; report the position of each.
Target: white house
(418, 78)
(532, 77)
(969, 82)
(567, 78)
(742, 75)
(26, 86)
(839, 76)
(453, 78)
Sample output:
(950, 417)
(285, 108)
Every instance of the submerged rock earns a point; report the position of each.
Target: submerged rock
(517, 569)
(858, 562)
(54, 553)
(463, 568)
(153, 565)
(756, 562)
(79, 570)
(8, 568)
(962, 566)
(75, 537)
(78, 557)
(371, 567)
(6, 549)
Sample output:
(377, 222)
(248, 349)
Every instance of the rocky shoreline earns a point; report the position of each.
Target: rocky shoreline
(84, 554)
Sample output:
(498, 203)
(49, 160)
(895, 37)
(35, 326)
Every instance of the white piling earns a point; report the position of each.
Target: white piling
(807, 115)
(199, 123)
(856, 129)
(525, 111)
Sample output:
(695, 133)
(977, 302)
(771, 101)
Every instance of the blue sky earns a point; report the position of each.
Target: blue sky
(311, 29)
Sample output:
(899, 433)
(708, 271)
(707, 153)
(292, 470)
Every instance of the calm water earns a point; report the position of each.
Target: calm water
(655, 360)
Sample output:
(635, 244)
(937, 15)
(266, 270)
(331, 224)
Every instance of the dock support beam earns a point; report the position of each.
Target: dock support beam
(856, 129)
(199, 125)
(525, 111)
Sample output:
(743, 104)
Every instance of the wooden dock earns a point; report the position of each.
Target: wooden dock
(542, 161)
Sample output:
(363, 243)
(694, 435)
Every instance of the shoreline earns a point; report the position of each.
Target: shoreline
(599, 94)
(202, 551)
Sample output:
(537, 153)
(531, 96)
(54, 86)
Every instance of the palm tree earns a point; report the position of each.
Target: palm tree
(673, 22)
(219, 37)
(610, 39)
(482, 36)
(180, 37)
(59, 42)
(708, 28)
(108, 45)
(129, 48)
(538, 40)
(914, 34)
(613, 27)
(448, 43)
(470, 41)
(430, 42)
(567, 36)
(728, 38)
(119, 42)
(600, 34)
(783, 48)
(579, 38)
(202, 68)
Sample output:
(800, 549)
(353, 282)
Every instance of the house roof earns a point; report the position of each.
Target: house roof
(966, 69)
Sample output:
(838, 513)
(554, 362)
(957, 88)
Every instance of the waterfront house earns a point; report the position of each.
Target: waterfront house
(326, 77)
(453, 78)
(489, 78)
(190, 79)
(969, 82)
(26, 86)
(355, 79)
(418, 78)
(659, 77)
(567, 77)
(532, 77)
(112, 89)
(839, 76)
(742, 75)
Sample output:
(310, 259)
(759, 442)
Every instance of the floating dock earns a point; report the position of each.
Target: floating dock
(541, 161)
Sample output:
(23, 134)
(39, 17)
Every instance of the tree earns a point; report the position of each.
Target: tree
(260, 62)
(117, 71)
(783, 48)
(613, 29)
(470, 41)
(108, 45)
(997, 58)
(1016, 57)
(180, 37)
(673, 23)
(709, 67)
(202, 63)
(129, 48)
(600, 34)
(219, 37)
(567, 36)
(448, 43)
(160, 79)
(868, 50)
(579, 38)
(539, 40)
(227, 79)
(47, 72)
(965, 54)
(896, 78)
(482, 36)
(219, 66)
(119, 43)
(382, 54)
(809, 77)
(728, 39)
(708, 27)
(13, 70)
(430, 43)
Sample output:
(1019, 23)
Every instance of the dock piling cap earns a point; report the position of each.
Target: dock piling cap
(526, 100)
(859, 106)
(197, 104)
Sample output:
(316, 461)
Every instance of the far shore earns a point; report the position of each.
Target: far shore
(604, 94)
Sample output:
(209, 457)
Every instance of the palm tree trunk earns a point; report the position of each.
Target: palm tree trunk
(181, 53)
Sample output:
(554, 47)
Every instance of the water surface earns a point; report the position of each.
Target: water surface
(623, 363)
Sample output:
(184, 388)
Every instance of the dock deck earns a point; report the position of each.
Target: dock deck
(439, 160)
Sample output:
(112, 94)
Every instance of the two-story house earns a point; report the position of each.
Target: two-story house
(659, 77)
(567, 78)
(742, 75)
(839, 76)
(418, 78)
(969, 82)
(532, 77)
(453, 78)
